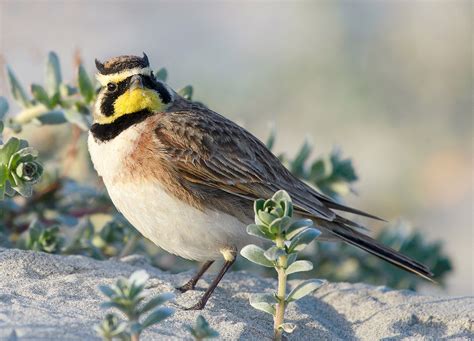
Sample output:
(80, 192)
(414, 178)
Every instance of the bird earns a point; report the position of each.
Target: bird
(186, 177)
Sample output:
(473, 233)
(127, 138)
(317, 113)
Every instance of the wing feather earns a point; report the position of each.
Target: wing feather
(207, 149)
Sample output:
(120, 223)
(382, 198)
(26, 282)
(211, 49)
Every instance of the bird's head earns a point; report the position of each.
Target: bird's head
(128, 88)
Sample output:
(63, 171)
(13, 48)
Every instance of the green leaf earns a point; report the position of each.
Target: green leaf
(157, 316)
(299, 266)
(156, 301)
(291, 258)
(321, 169)
(297, 166)
(264, 218)
(8, 149)
(3, 174)
(288, 327)
(303, 289)
(107, 291)
(53, 74)
(298, 226)
(119, 306)
(256, 255)
(161, 74)
(86, 88)
(17, 91)
(263, 302)
(280, 224)
(259, 231)
(67, 90)
(258, 205)
(202, 329)
(40, 95)
(342, 168)
(273, 253)
(303, 239)
(281, 195)
(186, 92)
(3, 107)
(138, 278)
(52, 117)
(271, 138)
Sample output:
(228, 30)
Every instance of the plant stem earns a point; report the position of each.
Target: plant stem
(281, 294)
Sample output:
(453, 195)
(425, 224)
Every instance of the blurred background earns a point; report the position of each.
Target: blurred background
(389, 82)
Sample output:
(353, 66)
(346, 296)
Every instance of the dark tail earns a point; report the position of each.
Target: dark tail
(370, 245)
(336, 206)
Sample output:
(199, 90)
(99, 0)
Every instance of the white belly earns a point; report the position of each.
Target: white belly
(168, 222)
(176, 226)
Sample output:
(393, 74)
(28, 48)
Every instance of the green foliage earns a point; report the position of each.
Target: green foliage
(19, 170)
(186, 92)
(273, 222)
(75, 207)
(41, 238)
(331, 174)
(128, 297)
(202, 330)
(57, 102)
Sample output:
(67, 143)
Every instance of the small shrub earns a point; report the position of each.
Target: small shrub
(273, 222)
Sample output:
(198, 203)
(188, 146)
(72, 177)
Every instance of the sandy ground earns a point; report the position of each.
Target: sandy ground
(50, 297)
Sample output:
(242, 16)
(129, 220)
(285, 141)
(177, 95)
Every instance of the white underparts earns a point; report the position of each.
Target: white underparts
(168, 222)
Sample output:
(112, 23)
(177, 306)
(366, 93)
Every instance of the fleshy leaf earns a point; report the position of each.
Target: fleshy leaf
(86, 88)
(288, 327)
(53, 74)
(139, 278)
(3, 107)
(259, 231)
(186, 92)
(297, 166)
(156, 301)
(303, 289)
(263, 302)
(161, 74)
(256, 255)
(106, 290)
(52, 117)
(157, 316)
(299, 266)
(280, 224)
(18, 93)
(40, 94)
(281, 195)
(258, 205)
(302, 239)
(298, 226)
(273, 253)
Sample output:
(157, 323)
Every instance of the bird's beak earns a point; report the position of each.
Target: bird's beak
(136, 83)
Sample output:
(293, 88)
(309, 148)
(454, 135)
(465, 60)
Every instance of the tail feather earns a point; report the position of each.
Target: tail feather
(386, 253)
(339, 207)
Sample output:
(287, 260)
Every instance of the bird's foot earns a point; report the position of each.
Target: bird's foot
(188, 286)
(198, 306)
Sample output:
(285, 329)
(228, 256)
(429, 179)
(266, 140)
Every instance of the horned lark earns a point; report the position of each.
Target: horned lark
(186, 177)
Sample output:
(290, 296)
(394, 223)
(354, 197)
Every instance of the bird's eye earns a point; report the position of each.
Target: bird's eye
(111, 87)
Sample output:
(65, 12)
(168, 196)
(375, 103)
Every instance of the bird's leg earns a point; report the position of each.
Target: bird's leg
(191, 284)
(229, 260)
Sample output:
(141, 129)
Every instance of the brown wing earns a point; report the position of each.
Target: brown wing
(212, 152)
(207, 149)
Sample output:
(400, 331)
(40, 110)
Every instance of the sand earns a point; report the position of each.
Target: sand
(52, 297)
